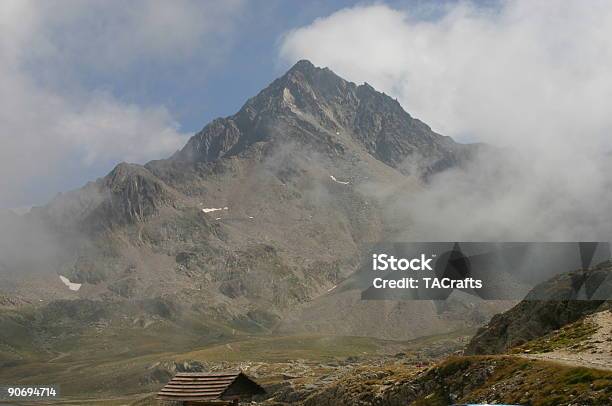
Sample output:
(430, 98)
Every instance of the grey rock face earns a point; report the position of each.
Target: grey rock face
(531, 319)
(314, 106)
(260, 213)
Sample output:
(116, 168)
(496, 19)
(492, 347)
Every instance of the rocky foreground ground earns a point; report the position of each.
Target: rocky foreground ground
(587, 343)
(567, 366)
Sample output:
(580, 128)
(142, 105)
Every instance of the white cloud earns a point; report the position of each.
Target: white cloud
(49, 117)
(113, 35)
(494, 74)
(531, 75)
(106, 129)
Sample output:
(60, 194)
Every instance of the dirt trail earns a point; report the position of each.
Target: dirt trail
(599, 352)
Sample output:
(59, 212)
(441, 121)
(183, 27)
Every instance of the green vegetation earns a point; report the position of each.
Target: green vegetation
(468, 379)
(521, 381)
(113, 366)
(570, 336)
(279, 349)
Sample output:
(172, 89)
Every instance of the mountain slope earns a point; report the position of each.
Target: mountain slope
(532, 319)
(553, 351)
(464, 380)
(316, 107)
(260, 213)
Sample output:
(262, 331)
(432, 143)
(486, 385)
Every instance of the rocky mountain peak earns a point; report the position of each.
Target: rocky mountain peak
(304, 66)
(323, 83)
(314, 106)
(128, 194)
(304, 70)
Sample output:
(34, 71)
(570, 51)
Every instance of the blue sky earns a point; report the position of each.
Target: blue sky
(248, 63)
(88, 84)
(77, 64)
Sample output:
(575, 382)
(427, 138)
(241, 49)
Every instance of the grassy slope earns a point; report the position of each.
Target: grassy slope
(570, 336)
(471, 379)
(520, 381)
(104, 375)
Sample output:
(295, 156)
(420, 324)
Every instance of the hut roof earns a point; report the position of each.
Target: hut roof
(204, 386)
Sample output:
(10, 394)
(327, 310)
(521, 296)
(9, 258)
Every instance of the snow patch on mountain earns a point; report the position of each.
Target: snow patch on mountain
(212, 209)
(71, 285)
(338, 181)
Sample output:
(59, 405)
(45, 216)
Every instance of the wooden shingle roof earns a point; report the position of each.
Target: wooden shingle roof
(204, 386)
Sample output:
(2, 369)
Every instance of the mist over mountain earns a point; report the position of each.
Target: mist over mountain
(254, 221)
(314, 106)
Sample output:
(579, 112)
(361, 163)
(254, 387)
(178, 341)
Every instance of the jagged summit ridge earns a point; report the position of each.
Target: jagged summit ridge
(316, 107)
(256, 219)
(308, 106)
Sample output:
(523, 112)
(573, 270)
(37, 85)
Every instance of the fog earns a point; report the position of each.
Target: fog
(512, 196)
(526, 78)
(531, 82)
(64, 119)
(27, 246)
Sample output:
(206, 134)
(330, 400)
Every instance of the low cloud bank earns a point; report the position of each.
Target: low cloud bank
(522, 76)
(62, 123)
